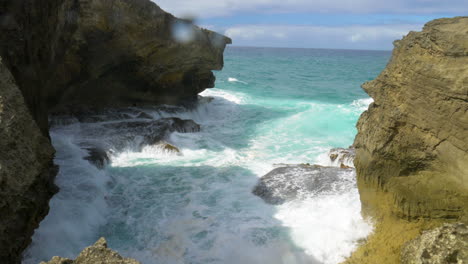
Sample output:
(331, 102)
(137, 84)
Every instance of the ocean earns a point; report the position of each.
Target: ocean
(270, 106)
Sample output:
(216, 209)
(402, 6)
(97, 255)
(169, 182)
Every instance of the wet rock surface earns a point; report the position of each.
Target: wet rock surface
(299, 181)
(98, 253)
(114, 131)
(447, 244)
(342, 157)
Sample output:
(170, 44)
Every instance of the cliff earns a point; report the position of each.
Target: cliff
(68, 56)
(412, 143)
(79, 54)
(26, 171)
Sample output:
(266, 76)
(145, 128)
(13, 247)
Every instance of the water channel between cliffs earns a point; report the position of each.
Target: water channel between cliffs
(270, 106)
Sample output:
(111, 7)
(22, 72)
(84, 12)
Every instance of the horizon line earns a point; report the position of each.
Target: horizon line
(273, 47)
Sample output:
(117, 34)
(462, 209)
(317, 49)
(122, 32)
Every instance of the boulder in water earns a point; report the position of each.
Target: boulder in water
(97, 156)
(183, 125)
(292, 182)
(169, 148)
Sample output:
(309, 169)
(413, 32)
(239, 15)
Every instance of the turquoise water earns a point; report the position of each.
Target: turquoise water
(270, 106)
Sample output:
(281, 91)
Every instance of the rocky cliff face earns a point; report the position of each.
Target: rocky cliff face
(412, 143)
(74, 54)
(26, 171)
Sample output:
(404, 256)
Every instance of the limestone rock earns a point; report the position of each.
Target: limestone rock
(26, 171)
(104, 53)
(444, 245)
(95, 254)
(412, 142)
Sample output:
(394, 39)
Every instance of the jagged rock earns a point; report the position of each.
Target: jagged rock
(95, 254)
(97, 156)
(183, 125)
(296, 181)
(168, 148)
(444, 245)
(100, 53)
(26, 171)
(413, 140)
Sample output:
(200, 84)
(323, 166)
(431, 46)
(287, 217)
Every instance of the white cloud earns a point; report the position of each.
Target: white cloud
(353, 36)
(216, 8)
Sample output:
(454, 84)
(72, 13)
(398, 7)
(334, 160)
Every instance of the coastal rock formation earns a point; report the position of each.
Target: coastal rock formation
(97, 253)
(26, 171)
(444, 245)
(70, 55)
(412, 143)
(298, 181)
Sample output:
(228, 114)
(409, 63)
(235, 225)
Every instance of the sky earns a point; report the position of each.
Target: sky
(337, 24)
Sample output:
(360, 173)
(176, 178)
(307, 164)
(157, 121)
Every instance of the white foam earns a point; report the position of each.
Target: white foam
(216, 177)
(362, 104)
(328, 226)
(231, 79)
(229, 96)
(77, 211)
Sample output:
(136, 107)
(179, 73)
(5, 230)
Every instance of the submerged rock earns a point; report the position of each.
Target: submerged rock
(168, 148)
(95, 254)
(183, 125)
(444, 245)
(292, 182)
(26, 171)
(97, 156)
(132, 134)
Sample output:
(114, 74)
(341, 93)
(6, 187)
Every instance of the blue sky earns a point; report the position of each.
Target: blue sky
(341, 24)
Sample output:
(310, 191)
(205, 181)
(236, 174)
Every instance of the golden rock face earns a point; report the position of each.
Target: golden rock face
(412, 143)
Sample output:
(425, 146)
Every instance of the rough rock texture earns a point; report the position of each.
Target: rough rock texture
(26, 171)
(298, 181)
(73, 54)
(412, 143)
(413, 140)
(95, 254)
(444, 245)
